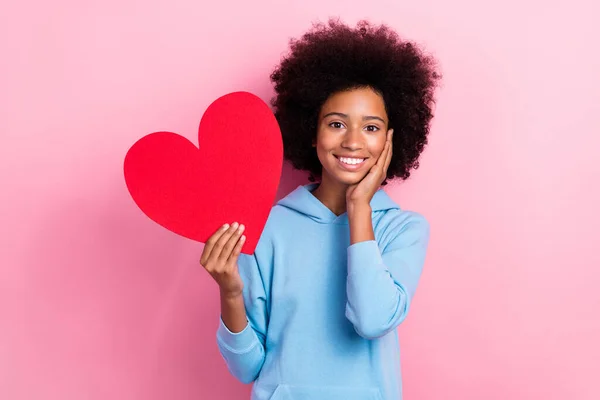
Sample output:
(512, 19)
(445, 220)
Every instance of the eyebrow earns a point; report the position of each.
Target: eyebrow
(365, 118)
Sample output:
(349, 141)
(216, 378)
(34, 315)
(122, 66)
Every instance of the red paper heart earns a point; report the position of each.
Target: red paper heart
(233, 176)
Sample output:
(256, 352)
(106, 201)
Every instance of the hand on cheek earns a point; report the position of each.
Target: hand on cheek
(363, 191)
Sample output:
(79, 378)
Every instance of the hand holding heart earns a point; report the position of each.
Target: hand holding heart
(220, 256)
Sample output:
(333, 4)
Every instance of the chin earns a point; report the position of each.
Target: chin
(350, 178)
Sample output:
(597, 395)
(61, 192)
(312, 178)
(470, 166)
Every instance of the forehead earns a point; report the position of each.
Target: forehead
(363, 101)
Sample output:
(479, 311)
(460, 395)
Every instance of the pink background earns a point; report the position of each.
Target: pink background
(98, 302)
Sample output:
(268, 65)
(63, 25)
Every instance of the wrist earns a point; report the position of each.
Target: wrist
(230, 295)
(358, 207)
(361, 226)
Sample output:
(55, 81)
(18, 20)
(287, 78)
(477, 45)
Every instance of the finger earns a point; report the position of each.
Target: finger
(380, 167)
(210, 243)
(237, 250)
(233, 239)
(220, 245)
(382, 157)
(388, 158)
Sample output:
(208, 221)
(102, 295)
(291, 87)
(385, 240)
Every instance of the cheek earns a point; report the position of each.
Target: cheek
(321, 149)
(377, 147)
(324, 144)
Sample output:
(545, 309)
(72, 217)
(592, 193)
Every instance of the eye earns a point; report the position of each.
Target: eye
(336, 125)
(373, 126)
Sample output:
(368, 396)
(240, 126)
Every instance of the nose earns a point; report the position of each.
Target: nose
(353, 139)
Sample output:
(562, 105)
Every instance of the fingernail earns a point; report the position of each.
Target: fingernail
(243, 238)
(235, 225)
(226, 226)
(242, 227)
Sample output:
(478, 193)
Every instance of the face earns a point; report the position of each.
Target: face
(351, 134)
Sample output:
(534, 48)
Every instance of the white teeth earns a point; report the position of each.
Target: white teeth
(351, 161)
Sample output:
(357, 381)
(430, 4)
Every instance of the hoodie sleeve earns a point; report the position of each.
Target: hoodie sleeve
(244, 352)
(381, 284)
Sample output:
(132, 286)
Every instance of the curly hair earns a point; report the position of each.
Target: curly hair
(332, 58)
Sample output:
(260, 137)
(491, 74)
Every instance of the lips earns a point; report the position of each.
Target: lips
(350, 167)
(347, 156)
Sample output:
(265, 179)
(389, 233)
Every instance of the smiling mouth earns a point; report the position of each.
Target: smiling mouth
(350, 160)
(350, 163)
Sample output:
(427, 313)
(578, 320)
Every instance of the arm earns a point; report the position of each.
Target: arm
(242, 346)
(381, 282)
(233, 312)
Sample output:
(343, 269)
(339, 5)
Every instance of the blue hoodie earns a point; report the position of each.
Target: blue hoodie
(323, 313)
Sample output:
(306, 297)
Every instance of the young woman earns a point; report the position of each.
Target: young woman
(312, 314)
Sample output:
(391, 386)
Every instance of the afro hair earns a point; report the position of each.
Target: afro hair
(333, 57)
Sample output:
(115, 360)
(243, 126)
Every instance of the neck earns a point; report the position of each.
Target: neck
(332, 195)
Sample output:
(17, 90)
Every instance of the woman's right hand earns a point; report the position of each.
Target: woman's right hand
(220, 255)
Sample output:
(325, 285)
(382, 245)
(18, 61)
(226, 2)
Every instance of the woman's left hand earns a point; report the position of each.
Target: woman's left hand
(362, 192)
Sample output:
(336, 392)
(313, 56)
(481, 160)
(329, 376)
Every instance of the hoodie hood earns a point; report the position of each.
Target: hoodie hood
(303, 201)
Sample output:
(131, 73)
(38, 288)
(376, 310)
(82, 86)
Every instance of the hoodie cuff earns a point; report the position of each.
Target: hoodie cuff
(363, 255)
(241, 342)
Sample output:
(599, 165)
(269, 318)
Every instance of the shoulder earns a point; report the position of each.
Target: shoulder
(277, 217)
(261, 261)
(398, 218)
(398, 224)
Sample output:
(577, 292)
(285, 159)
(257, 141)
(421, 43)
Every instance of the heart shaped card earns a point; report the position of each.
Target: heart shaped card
(232, 177)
